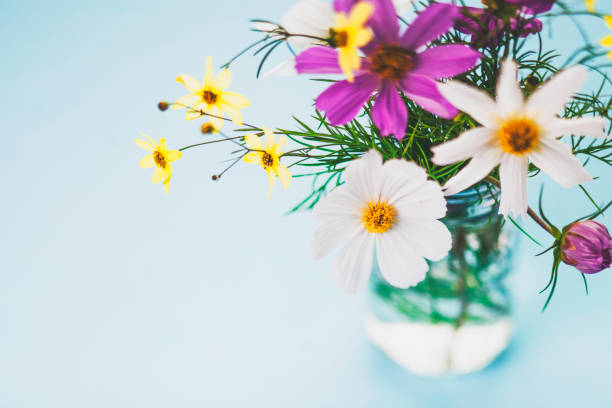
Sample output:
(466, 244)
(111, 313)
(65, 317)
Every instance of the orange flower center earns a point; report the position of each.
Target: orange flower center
(338, 39)
(378, 217)
(160, 159)
(518, 136)
(391, 61)
(209, 97)
(267, 160)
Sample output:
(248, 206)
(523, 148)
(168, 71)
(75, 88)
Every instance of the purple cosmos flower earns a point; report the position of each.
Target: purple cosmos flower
(587, 245)
(394, 63)
(487, 26)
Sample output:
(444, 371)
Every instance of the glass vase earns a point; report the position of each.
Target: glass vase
(457, 320)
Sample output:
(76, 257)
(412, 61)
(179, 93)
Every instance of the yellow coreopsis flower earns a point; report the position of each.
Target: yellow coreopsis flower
(590, 5)
(268, 157)
(160, 158)
(349, 34)
(607, 41)
(211, 97)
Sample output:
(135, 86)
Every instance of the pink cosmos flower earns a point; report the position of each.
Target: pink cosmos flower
(394, 63)
(587, 245)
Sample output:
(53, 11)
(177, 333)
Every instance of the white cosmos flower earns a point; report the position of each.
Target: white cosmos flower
(391, 206)
(311, 18)
(515, 132)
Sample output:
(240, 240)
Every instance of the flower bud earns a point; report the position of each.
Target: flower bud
(587, 245)
(207, 128)
(163, 106)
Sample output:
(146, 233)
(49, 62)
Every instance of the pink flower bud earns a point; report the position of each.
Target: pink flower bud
(587, 245)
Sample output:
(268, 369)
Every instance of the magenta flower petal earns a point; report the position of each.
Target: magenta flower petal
(424, 92)
(446, 61)
(434, 21)
(342, 101)
(384, 21)
(344, 6)
(318, 60)
(389, 112)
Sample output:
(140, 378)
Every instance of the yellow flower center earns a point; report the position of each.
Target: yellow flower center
(267, 160)
(518, 136)
(209, 97)
(338, 39)
(378, 217)
(160, 159)
(391, 61)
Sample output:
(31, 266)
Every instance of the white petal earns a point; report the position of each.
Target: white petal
(594, 127)
(352, 266)
(362, 176)
(478, 168)
(509, 95)
(429, 238)
(467, 145)
(399, 264)
(399, 178)
(264, 26)
(286, 68)
(332, 234)
(308, 17)
(553, 95)
(402, 6)
(556, 159)
(427, 202)
(339, 203)
(472, 101)
(513, 178)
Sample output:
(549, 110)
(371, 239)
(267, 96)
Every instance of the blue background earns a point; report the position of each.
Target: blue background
(113, 294)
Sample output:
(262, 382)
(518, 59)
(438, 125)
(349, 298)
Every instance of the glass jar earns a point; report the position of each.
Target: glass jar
(457, 320)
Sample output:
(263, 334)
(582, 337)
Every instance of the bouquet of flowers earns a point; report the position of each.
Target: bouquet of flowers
(417, 112)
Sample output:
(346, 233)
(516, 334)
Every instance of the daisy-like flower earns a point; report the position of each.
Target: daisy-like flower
(268, 157)
(394, 63)
(160, 158)
(211, 97)
(607, 41)
(516, 132)
(390, 206)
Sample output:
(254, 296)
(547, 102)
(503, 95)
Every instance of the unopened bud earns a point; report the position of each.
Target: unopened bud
(163, 106)
(587, 245)
(207, 128)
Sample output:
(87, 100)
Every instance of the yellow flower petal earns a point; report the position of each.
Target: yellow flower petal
(157, 174)
(167, 185)
(284, 175)
(363, 37)
(173, 155)
(606, 41)
(590, 5)
(208, 75)
(278, 149)
(271, 181)
(223, 80)
(167, 172)
(235, 100)
(162, 145)
(145, 144)
(233, 113)
(253, 142)
(608, 20)
(147, 162)
(189, 82)
(360, 13)
(349, 61)
(610, 55)
(270, 140)
(186, 101)
(253, 158)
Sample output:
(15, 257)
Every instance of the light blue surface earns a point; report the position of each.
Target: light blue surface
(115, 295)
